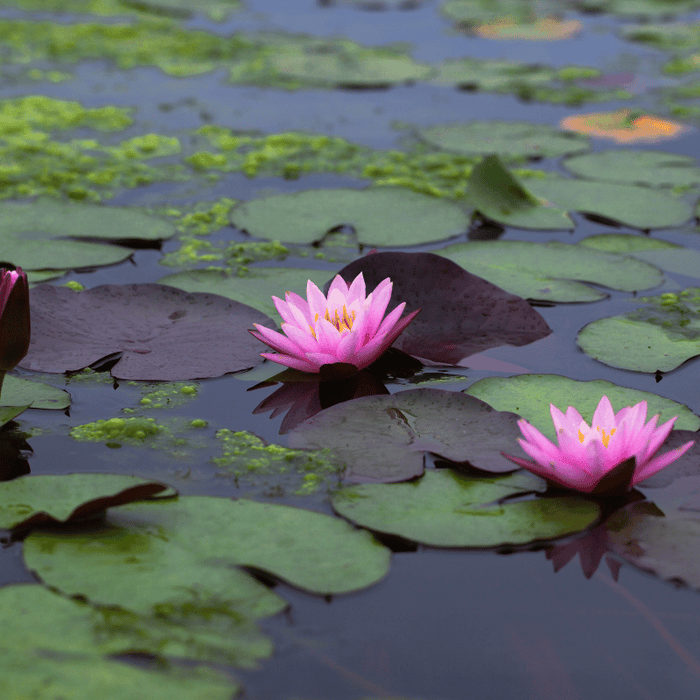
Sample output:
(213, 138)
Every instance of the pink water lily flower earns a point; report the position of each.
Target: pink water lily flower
(587, 455)
(346, 326)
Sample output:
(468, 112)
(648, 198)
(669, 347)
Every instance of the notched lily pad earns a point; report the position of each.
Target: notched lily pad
(659, 337)
(17, 391)
(44, 499)
(461, 316)
(552, 271)
(384, 438)
(514, 139)
(309, 550)
(384, 216)
(445, 509)
(161, 332)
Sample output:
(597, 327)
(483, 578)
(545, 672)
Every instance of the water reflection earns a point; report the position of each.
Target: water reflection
(14, 451)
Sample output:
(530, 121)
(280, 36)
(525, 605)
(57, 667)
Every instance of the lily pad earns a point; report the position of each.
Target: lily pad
(666, 546)
(492, 76)
(639, 207)
(548, 271)
(623, 126)
(159, 330)
(346, 64)
(529, 395)
(513, 139)
(498, 195)
(39, 621)
(218, 9)
(471, 12)
(660, 337)
(384, 216)
(662, 254)
(48, 218)
(651, 168)
(444, 509)
(255, 289)
(548, 28)
(461, 316)
(29, 500)
(204, 536)
(25, 392)
(384, 437)
(640, 8)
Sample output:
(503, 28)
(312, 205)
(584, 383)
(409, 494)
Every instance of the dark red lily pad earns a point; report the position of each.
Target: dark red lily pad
(384, 438)
(161, 332)
(461, 314)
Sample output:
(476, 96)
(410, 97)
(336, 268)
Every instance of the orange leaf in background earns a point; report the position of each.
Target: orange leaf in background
(623, 127)
(542, 29)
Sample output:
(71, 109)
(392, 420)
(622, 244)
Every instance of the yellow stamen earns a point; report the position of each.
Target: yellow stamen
(342, 323)
(606, 438)
(581, 436)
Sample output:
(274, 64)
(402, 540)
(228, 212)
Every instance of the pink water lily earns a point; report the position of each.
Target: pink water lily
(14, 317)
(586, 455)
(347, 326)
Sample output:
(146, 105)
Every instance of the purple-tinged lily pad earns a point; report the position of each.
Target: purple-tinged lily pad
(383, 438)
(462, 315)
(162, 332)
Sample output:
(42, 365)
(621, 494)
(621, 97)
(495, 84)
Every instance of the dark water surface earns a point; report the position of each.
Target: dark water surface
(444, 625)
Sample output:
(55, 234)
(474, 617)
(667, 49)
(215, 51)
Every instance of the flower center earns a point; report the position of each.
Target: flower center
(341, 322)
(605, 439)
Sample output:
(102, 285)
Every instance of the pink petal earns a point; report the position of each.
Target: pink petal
(317, 302)
(276, 340)
(658, 463)
(301, 338)
(357, 289)
(604, 416)
(339, 284)
(288, 361)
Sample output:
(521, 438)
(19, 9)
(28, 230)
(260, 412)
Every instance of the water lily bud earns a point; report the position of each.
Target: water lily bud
(14, 317)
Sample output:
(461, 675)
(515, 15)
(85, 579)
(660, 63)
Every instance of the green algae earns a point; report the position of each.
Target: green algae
(218, 10)
(165, 395)
(115, 431)
(247, 458)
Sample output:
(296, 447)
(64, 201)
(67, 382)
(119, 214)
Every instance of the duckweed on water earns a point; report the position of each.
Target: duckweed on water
(166, 395)
(115, 431)
(246, 457)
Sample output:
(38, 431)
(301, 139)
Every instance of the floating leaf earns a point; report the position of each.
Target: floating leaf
(17, 391)
(386, 216)
(346, 64)
(540, 29)
(218, 9)
(30, 500)
(384, 437)
(513, 139)
(639, 207)
(492, 76)
(652, 168)
(254, 289)
(529, 395)
(639, 8)
(472, 12)
(47, 218)
(546, 271)
(37, 620)
(461, 316)
(497, 195)
(444, 509)
(660, 337)
(205, 538)
(159, 330)
(623, 126)
(666, 546)
(662, 254)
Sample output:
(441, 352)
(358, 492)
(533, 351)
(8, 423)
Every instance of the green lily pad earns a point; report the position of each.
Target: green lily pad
(640, 8)
(255, 289)
(37, 620)
(492, 76)
(513, 139)
(217, 9)
(205, 538)
(346, 64)
(498, 195)
(471, 12)
(639, 207)
(660, 337)
(529, 395)
(547, 271)
(48, 218)
(383, 216)
(384, 437)
(444, 509)
(25, 392)
(652, 168)
(8, 413)
(662, 254)
(38, 500)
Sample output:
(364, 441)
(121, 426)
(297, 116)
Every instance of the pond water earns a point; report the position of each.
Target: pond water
(443, 624)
